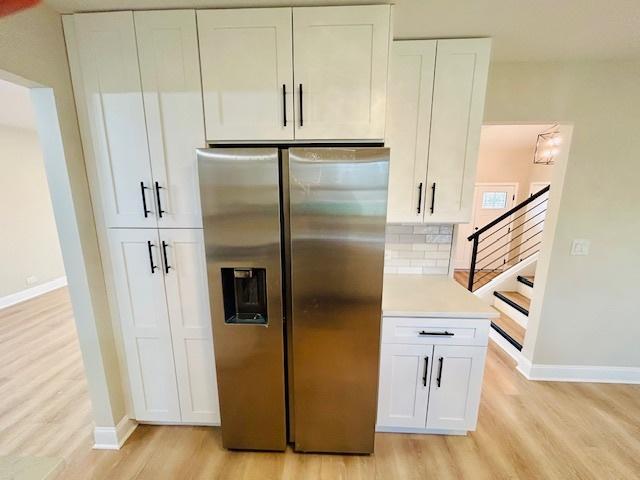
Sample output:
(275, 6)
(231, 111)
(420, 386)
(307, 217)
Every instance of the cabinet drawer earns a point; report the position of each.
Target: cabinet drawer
(435, 331)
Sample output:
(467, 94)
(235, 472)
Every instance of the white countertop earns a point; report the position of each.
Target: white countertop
(430, 296)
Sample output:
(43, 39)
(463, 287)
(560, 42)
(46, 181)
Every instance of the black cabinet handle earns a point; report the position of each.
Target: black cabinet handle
(420, 197)
(164, 254)
(301, 122)
(144, 200)
(439, 378)
(426, 369)
(160, 210)
(433, 196)
(284, 104)
(440, 334)
(153, 266)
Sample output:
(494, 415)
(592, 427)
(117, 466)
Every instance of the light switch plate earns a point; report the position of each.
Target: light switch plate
(580, 246)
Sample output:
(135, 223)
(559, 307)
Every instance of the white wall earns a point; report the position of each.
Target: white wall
(591, 314)
(32, 49)
(29, 242)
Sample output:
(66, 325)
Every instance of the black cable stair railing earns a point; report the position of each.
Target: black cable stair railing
(520, 237)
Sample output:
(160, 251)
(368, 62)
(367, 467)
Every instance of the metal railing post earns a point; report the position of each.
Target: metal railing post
(472, 269)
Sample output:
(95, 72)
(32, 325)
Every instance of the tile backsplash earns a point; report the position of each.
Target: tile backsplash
(418, 249)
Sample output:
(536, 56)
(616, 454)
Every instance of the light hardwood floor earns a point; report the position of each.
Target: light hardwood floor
(527, 430)
(44, 403)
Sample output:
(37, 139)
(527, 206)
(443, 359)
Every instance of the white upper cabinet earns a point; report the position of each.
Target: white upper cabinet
(172, 93)
(433, 127)
(458, 105)
(188, 304)
(139, 284)
(340, 71)
(247, 73)
(106, 73)
(408, 123)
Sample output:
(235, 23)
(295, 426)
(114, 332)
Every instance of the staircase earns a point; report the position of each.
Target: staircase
(502, 258)
(513, 306)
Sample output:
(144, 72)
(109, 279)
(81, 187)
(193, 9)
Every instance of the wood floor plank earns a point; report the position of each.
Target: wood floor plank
(527, 430)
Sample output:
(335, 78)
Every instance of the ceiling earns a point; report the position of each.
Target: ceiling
(523, 30)
(17, 110)
(510, 137)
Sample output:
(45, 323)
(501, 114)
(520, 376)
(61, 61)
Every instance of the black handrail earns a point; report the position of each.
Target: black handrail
(509, 213)
(495, 245)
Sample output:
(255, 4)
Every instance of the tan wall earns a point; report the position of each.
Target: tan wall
(32, 47)
(498, 163)
(29, 241)
(590, 315)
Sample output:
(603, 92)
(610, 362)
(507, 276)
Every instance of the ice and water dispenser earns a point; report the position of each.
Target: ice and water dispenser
(245, 295)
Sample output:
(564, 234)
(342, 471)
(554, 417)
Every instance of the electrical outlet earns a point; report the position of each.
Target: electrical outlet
(580, 246)
(31, 280)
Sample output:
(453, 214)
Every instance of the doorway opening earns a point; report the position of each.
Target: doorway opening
(46, 407)
(495, 255)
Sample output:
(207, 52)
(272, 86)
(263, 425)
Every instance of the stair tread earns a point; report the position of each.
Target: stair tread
(517, 298)
(510, 326)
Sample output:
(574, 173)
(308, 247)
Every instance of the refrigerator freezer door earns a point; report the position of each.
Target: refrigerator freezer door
(338, 199)
(240, 197)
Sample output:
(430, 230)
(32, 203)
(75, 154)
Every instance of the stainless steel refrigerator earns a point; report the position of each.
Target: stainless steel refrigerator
(294, 242)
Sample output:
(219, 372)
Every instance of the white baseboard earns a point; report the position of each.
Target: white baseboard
(32, 292)
(578, 373)
(112, 438)
(179, 424)
(420, 431)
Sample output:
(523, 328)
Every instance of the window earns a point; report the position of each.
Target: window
(494, 200)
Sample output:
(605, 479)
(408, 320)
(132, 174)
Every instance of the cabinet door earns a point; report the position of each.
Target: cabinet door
(405, 373)
(247, 73)
(142, 309)
(108, 65)
(188, 302)
(172, 93)
(408, 122)
(456, 382)
(340, 64)
(456, 119)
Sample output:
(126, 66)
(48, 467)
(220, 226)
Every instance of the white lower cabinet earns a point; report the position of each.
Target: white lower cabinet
(161, 289)
(456, 381)
(430, 387)
(405, 372)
